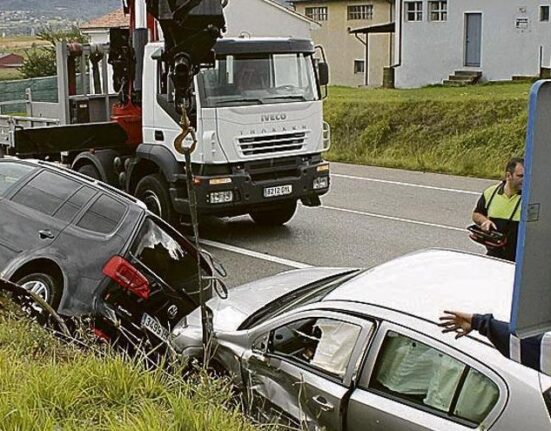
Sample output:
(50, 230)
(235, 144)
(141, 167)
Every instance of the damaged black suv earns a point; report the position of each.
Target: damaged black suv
(87, 248)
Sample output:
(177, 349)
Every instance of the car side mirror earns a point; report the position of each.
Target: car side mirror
(218, 286)
(323, 73)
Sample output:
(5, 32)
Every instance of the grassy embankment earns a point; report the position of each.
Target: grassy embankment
(47, 385)
(458, 130)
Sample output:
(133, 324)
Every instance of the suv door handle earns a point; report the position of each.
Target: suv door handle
(46, 234)
(324, 405)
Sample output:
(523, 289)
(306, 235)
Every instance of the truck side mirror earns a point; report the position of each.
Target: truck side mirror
(323, 73)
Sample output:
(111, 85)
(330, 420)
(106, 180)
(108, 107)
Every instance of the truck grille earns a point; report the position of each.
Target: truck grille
(269, 144)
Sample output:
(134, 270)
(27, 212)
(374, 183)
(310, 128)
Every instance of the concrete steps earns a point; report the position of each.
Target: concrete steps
(463, 77)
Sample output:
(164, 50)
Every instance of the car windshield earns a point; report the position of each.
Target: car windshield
(238, 80)
(309, 294)
(165, 256)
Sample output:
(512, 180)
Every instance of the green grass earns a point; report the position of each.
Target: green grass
(10, 74)
(48, 385)
(457, 130)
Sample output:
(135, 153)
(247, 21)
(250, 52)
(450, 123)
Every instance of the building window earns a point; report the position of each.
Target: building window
(316, 13)
(359, 66)
(361, 11)
(414, 11)
(438, 10)
(544, 13)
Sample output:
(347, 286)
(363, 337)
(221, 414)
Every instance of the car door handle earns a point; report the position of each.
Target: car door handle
(324, 405)
(46, 234)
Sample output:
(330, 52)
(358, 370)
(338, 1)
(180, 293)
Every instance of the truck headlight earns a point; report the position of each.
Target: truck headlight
(221, 197)
(321, 183)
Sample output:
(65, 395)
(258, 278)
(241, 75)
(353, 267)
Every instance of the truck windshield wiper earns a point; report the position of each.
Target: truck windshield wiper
(249, 100)
(294, 97)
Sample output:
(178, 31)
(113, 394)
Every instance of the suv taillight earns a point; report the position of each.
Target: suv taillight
(126, 275)
(547, 399)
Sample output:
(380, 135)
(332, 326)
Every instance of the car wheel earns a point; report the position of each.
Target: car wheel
(44, 285)
(276, 216)
(89, 170)
(153, 191)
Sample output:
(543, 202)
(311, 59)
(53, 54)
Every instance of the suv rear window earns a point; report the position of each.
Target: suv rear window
(103, 216)
(46, 192)
(163, 254)
(10, 173)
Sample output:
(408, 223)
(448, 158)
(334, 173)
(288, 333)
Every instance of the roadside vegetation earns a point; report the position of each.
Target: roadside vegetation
(468, 131)
(49, 385)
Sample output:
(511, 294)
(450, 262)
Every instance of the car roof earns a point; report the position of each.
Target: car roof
(424, 284)
(80, 177)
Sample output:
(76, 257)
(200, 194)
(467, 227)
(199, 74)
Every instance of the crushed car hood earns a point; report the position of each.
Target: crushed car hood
(248, 298)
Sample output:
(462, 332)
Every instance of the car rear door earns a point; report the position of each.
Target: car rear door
(305, 373)
(30, 213)
(411, 382)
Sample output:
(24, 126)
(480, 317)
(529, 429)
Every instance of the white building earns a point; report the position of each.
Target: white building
(499, 38)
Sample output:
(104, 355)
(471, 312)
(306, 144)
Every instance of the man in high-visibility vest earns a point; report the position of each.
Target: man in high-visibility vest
(499, 209)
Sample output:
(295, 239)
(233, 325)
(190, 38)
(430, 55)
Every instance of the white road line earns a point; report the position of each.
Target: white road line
(399, 183)
(385, 217)
(255, 254)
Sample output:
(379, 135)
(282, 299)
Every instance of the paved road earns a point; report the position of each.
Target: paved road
(370, 215)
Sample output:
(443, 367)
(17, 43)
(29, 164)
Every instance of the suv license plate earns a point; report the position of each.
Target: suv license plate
(271, 192)
(153, 326)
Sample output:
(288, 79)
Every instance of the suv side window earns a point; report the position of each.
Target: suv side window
(103, 216)
(418, 374)
(10, 173)
(323, 343)
(46, 192)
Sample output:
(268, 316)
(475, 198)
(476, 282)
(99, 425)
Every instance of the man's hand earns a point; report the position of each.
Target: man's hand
(488, 225)
(454, 321)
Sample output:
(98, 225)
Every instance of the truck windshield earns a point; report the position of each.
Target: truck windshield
(238, 80)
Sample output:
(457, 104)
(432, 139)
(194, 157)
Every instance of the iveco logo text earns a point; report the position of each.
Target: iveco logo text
(273, 117)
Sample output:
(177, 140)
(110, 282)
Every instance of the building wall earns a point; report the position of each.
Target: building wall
(433, 50)
(261, 18)
(343, 48)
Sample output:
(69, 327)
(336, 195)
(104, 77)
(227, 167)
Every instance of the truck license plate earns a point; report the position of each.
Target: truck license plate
(270, 192)
(153, 326)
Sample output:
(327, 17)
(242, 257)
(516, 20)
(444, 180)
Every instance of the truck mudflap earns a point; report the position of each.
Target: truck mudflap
(240, 192)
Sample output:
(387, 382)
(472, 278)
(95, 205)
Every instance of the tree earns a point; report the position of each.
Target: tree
(41, 61)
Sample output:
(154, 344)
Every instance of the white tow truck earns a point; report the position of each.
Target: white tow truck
(257, 112)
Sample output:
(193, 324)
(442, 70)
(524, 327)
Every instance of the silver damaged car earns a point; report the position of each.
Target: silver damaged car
(346, 349)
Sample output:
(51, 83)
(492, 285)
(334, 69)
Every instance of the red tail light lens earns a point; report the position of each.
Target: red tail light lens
(126, 275)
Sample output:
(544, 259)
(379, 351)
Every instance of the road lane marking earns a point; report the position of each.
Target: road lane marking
(400, 183)
(255, 254)
(399, 219)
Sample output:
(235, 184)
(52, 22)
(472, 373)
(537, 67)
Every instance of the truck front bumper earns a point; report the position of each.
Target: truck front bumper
(247, 189)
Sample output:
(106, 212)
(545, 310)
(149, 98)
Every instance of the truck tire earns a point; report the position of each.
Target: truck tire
(44, 285)
(153, 191)
(89, 170)
(276, 216)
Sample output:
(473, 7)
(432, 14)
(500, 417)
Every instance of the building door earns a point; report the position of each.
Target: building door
(473, 39)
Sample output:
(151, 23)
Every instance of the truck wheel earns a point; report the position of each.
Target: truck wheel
(89, 170)
(153, 191)
(276, 216)
(44, 285)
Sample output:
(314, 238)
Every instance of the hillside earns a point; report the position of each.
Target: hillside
(69, 9)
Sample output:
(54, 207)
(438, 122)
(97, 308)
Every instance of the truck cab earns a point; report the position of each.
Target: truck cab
(258, 114)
